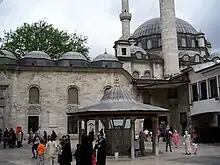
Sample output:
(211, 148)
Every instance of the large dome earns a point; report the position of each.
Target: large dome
(153, 26)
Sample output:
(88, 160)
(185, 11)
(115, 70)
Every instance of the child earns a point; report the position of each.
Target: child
(195, 148)
(77, 154)
(40, 153)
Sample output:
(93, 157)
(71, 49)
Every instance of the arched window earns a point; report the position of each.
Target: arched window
(136, 74)
(147, 74)
(183, 42)
(149, 44)
(73, 95)
(197, 58)
(186, 58)
(34, 95)
(193, 43)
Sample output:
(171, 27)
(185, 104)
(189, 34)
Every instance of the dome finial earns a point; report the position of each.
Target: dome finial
(117, 81)
(105, 51)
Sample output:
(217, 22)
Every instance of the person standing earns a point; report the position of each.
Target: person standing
(45, 138)
(187, 143)
(53, 135)
(85, 150)
(176, 138)
(141, 140)
(101, 147)
(40, 153)
(19, 139)
(51, 150)
(31, 136)
(66, 154)
(77, 154)
(6, 137)
(168, 136)
(35, 145)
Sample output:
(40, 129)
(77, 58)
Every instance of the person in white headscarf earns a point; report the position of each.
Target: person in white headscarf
(187, 143)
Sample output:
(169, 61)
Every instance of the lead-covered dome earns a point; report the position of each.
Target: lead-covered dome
(105, 57)
(72, 56)
(153, 26)
(7, 54)
(37, 54)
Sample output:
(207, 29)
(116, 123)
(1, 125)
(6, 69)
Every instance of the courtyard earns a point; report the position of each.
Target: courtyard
(208, 155)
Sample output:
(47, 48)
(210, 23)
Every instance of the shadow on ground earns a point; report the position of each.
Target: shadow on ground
(202, 160)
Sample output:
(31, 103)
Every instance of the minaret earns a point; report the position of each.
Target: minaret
(125, 18)
(169, 37)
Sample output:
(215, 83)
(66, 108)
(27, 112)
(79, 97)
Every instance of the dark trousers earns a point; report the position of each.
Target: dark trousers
(168, 143)
(5, 143)
(19, 144)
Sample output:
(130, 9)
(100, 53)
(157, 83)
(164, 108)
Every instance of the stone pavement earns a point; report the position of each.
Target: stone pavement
(208, 155)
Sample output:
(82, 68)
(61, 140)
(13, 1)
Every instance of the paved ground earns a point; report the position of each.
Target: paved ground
(208, 155)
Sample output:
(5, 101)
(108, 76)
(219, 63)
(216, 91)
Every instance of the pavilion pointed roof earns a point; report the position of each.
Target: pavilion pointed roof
(119, 100)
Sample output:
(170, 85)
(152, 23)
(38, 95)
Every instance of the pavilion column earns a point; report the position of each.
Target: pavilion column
(96, 126)
(79, 130)
(85, 125)
(155, 144)
(132, 138)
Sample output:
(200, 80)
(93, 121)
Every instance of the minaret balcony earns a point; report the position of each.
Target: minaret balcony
(125, 16)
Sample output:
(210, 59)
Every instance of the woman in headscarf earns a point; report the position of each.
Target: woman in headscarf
(101, 147)
(187, 143)
(66, 154)
(85, 150)
(51, 149)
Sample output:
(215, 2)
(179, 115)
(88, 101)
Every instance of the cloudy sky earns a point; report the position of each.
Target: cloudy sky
(98, 19)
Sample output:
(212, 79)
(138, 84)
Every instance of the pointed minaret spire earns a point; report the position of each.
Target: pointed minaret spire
(105, 51)
(125, 18)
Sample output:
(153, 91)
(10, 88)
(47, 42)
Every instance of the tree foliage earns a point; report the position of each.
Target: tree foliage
(44, 37)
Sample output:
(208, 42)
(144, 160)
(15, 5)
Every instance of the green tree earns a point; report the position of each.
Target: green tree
(44, 37)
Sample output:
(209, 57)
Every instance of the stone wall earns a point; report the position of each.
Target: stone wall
(53, 95)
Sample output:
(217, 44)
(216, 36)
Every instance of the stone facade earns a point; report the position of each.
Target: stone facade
(53, 86)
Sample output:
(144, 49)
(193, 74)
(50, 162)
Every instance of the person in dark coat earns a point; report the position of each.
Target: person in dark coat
(13, 138)
(101, 147)
(77, 154)
(53, 135)
(45, 138)
(6, 137)
(85, 150)
(66, 154)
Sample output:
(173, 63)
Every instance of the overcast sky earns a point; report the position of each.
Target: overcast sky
(99, 20)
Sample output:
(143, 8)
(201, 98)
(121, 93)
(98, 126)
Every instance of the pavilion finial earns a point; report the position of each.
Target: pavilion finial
(117, 81)
(105, 51)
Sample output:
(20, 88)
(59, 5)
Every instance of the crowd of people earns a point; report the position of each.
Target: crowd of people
(11, 138)
(53, 148)
(171, 138)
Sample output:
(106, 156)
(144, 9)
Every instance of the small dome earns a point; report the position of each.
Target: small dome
(7, 54)
(37, 54)
(105, 57)
(73, 56)
(135, 49)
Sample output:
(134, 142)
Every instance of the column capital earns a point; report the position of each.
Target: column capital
(155, 118)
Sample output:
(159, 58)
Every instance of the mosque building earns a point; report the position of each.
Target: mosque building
(37, 91)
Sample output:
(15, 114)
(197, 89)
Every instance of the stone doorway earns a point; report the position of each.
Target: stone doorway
(33, 122)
